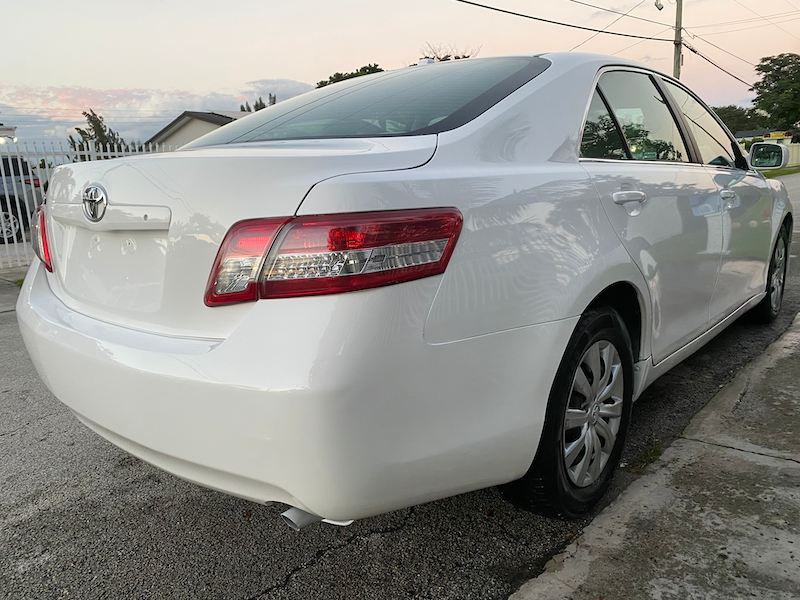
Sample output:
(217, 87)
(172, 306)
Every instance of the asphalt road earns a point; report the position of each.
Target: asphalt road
(82, 519)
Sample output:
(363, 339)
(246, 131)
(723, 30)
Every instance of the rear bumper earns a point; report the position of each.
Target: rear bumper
(334, 404)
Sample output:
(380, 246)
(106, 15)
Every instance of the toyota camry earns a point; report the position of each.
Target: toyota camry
(406, 285)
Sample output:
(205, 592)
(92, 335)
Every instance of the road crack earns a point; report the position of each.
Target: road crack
(323, 552)
(718, 445)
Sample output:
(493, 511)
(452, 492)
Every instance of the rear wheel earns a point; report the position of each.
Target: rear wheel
(767, 310)
(586, 422)
(12, 228)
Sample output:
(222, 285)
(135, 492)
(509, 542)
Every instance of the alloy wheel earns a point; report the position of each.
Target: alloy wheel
(9, 225)
(778, 274)
(594, 413)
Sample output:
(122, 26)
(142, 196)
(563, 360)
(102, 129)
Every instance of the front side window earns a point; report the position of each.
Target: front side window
(716, 148)
(643, 115)
(416, 100)
(601, 137)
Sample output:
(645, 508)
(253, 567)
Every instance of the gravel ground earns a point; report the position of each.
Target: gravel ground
(80, 518)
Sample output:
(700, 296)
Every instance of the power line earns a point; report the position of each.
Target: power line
(616, 12)
(516, 14)
(594, 35)
(36, 118)
(776, 25)
(750, 20)
(77, 111)
(48, 113)
(704, 57)
(694, 35)
(640, 41)
(748, 28)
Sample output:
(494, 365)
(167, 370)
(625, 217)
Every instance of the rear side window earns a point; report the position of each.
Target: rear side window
(716, 148)
(642, 113)
(15, 164)
(412, 101)
(601, 137)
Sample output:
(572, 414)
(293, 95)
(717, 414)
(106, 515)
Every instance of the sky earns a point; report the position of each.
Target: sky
(141, 63)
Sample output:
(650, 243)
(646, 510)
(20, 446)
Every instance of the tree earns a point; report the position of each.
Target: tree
(258, 104)
(336, 77)
(748, 143)
(96, 134)
(741, 119)
(441, 52)
(778, 92)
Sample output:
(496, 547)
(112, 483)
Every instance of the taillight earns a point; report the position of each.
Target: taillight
(41, 245)
(304, 256)
(33, 182)
(234, 277)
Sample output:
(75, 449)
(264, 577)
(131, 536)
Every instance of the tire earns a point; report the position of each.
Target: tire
(585, 424)
(12, 227)
(767, 310)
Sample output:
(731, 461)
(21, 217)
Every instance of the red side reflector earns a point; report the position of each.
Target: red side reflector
(41, 245)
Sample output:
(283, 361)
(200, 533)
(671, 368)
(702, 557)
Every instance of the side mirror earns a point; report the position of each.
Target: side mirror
(764, 156)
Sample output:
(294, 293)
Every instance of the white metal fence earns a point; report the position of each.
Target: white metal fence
(25, 170)
(794, 155)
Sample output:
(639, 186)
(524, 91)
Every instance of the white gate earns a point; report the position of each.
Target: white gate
(25, 169)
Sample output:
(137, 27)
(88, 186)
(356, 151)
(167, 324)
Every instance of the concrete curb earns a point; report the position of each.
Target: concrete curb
(717, 516)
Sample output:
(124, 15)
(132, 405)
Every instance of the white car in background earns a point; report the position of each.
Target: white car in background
(407, 285)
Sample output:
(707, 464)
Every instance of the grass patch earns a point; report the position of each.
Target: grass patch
(779, 172)
(647, 456)
(18, 282)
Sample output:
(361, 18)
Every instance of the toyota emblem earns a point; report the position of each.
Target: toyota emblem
(95, 201)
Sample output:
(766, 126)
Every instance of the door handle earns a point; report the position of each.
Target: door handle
(629, 196)
(727, 196)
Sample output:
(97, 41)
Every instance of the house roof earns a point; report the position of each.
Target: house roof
(233, 114)
(217, 117)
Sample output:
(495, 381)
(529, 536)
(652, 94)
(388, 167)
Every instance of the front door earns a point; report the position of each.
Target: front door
(665, 209)
(746, 208)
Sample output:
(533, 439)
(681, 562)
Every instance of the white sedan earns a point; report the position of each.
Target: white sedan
(406, 285)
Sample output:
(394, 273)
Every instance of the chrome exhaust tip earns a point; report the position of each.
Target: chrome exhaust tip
(297, 519)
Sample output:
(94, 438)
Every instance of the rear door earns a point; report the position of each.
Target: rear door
(664, 208)
(746, 203)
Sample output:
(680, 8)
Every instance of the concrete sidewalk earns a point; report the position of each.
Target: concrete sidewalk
(716, 517)
(9, 290)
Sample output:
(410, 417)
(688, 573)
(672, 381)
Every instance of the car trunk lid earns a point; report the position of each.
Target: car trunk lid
(145, 262)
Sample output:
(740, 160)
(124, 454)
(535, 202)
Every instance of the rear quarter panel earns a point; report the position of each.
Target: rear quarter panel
(536, 245)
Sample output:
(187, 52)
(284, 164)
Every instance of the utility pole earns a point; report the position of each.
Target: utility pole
(676, 66)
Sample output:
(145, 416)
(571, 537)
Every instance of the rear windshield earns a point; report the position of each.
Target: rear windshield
(14, 167)
(416, 100)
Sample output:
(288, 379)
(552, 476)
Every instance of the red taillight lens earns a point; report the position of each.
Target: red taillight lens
(33, 182)
(341, 253)
(234, 277)
(333, 253)
(41, 245)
